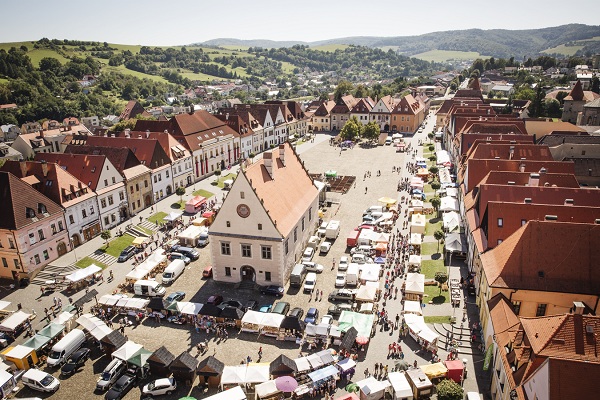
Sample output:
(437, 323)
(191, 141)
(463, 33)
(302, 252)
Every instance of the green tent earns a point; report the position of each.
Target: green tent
(331, 174)
(173, 307)
(52, 330)
(37, 342)
(363, 323)
(140, 357)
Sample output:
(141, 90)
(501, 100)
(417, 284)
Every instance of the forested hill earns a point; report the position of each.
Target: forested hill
(494, 42)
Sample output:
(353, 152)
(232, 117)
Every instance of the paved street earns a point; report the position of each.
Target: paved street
(318, 157)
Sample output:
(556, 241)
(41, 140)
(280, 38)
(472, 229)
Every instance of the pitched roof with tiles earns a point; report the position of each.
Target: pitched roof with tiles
(169, 144)
(571, 379)
(408, 105)
(87, 168)
(495, 126)
(503, 317)
(16, 196)
(557, 140)
(344, 105)
(537, 257)
(236, 123)
(122, 158)
(364, 105)
(324, 109)
(541, 127)
(523, 178)
(508, 151)
(148, 151)
(288, 194)
(474, 84)
(467, 141)
(132, 110)
(586, 166)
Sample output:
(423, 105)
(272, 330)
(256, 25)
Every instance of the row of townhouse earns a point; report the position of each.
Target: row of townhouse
(532, 235)
(404, 114)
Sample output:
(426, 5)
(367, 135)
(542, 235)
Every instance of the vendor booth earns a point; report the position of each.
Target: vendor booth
(414, 287)
(455, 370)
(267, 390)
(363, 323)
(231, 316)
(420, 384)
(366, 294)
(127, 351)
(401, 389)
(435, 372)
(449, 204)
(413, 307)
(22, 356)
(414, 263)
(160, 360)
(370, 273)
(83, 274)
(316, 333)
(37, 342)
(302, 364)
(235, 393)
(195, 204)
(282, 366)
(291, 328)
(16, 323)
(245, 374)
(442, 158)
(113, 341)
(416, 239)
(372, 389)
(420, 332)
(417, 223)
(52, 330)
(209, 372)
(184, 368)
(270, 324)
(94, 325)
(189, 236)
(252, 321)
(451, 221)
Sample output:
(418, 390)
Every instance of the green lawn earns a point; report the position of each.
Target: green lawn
(222, 178)
(430, 267)
(3, 81)
(445, 55)
(145, 230)
(198, 76)
(87, 261)
(428, 248)
(564, 50)
(123, 70)
(36, 55)
(433, 294)
(178, 205)
(431, 228)
(117, 245)
(203, 193)
(442, 319)
(158, 217)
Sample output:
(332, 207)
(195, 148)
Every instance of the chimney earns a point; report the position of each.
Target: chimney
(127, 132)
(578, 307)
(44, 165)
(542, 171)
(282, 153)
(511, 152)
(522, 168)
(268, 162)
(227, 117)
(147, 133)
(534, 179)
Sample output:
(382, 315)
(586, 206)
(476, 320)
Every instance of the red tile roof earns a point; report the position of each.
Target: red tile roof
(570, 379)
(16, 196)
(86, 168)
(510, 151)
(147, 151)
(537, 257)
(522, 179)
(132, 110)
(122, 158)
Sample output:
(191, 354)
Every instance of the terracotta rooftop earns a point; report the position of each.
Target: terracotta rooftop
(541, 127)
(510, 151)
(324, 109)
(16, 197)
(537, 257)
(87, 168)
(132, 110)
(122, 158)
(557, 140)
(523, 179)
(570, 379)
(288, 194)
(147, 151)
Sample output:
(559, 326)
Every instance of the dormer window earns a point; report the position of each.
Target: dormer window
(30, 212)
(42, 208)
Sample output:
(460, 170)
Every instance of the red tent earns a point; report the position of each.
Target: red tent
(455, 370)
(349, 396)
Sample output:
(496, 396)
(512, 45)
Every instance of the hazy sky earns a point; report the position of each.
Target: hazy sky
(153, 22)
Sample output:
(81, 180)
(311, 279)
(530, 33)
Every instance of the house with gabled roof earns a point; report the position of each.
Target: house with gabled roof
(265, 221)
(32, 229)
(362, 109)
(101, 177)
(340, 113)
(573, 104)
(382, 111)
(75, 197)
(407, 115)
(321, 119)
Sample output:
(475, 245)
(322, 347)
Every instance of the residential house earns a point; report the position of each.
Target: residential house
(32, 229)
(182, 163)
(295, 117)
(9, 132)
(340, 113)
(574, 102)
(149, 153)
(265, 221)
(136, 176)
(89, 122)
(321, 120)
(362, 110)
(102, 177)
(382, 111)
(132, 110)
(75, 197)
(8, 153)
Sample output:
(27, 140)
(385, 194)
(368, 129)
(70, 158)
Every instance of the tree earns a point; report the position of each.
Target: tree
(352, 129)
(431, 147)
(441, 278)
(342, 89)
(106, 235)
(449, 390)
(180, 191)
(435, 185)
(439, 235)
(217, 174)
(430, 136)
(434, 170)
(436, 202)
(371, 131)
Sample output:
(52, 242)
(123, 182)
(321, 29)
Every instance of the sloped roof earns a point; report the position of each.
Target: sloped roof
(537, 257)
(16, 196)
(121, 158)
(557, 140)
(162, 356)
(210, 365)
(364, 105)
(198, 127)
(572, 379)
(541, 127)
(169, 144)
(324, 109)
(147, 151)
(287, 196)
(474, 84)
(515, 151)
(132, 110)
(85, 167)
(576, 93)
(282, 360)
(504, 320)
(185, 361)
(522, 179)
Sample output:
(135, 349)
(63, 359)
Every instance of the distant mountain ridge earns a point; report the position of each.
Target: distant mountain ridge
(494, 42)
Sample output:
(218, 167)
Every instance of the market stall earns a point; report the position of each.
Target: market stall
(22, 356)
(451, 221)
(4, 308)
(252, 321)
(173, 216)
(37, 342)
(195, 204)
(370, 273)
(184, 368)
(401, 389)
(455, 370)
(231, 316)
(160, 360)
(316, 334)
(52, 330)
(419, 331)
(190, 235)
(112, 342)
(209, 372)
(416, 239)
(94, 325)
(267, 390)
(414, 286)
(363, 323)
(414, 263)
(67, 319)
(315, 361)
(81, 276)
(235, 393)
(413, 307)
(372, 389)
(366, 294)
(282, 366)
(291, 328)
(16, 323)
(416, 206)
(421, 385)
(302, 364)
(417, 223)
(435, 372)
(449, 204)
(270, 324)
(127, 350)
(246, 374)
(322, 376)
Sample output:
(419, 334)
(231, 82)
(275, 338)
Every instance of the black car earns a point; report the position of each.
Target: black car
(231, 303)
(250, 305)
(296, 312)
(337, 309)
(127, 253)
(121, 387)
(272, 290)
(76, 360)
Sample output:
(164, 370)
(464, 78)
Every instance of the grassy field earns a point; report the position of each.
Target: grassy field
(430, 267)
(429, 248)
(3, 81)
(432, 293)
(87, 261)
(222, 178)
(564, 50)
(235, 47)
(158, 217)
(330, 47)
(116, 246)
(203, 193)
(445, 55)
(445, 319)
(36, 56)
(430, 228)
(122, 69)
(198, 76)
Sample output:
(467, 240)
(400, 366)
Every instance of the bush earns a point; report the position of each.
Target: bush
(449, 390)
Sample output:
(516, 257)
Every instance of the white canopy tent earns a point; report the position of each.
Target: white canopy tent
(366, 293)
(365, 237)
(252, 321)
(370, 272)
(316, 330)
(109, 299)
(12, 322)
(416, 323)
(401, 387)
(346, 364)
(302, 364)
(272, 320)
(266, 389)
(315, 361)
(452, 192)
(412, 307)
(372, 389)
(451, 220)
(189, 308)
(449, 204)
(94, 325)
(235, 393)
(244, 374)
(415, 283)
(444, 175)
(415, 239)
(127, 351)
(65, 318)
(4, 305)
(417, 223)
(191, 234)
(442, 157)
(133, 303)
(83, 273)
(415, 260)
(172, 216)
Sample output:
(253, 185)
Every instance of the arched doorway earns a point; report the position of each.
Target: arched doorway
(75, 240)
(147, 201)
(124, 213)
(61, 248)
(189, 180)
(247, 273)
(386, 127)
(169, 190)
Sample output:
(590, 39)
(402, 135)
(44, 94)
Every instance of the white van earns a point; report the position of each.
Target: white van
(40, 381)
(149, 288)
(66, 346)
(310, 282)
(173, 271)
(352, 274)
(111, 373)
(388, 141)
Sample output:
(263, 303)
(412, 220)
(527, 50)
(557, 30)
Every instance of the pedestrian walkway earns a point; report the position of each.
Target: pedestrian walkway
(53, 272)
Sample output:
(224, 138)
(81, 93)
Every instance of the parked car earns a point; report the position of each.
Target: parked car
(336, 309)
(344, 295)
(127, 253)
(282, 308)
(175, 296)
(121, 387)
(325, 247)
(159, 387)
(343, 263)
(296, 312)
(231, 303)
(312, 316)
(340, 279)
(250, 305)
(310, 282)
(308, 254)
(39, 380)
(76, 360)
(327, 319)
(180, 256)
(272, 290)
(215, 300)
(266, 308)
(313, 266)
(208, 272)
(111, 373)
(190, 252)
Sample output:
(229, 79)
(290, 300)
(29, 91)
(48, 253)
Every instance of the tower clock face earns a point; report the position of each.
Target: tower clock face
(243, 210)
